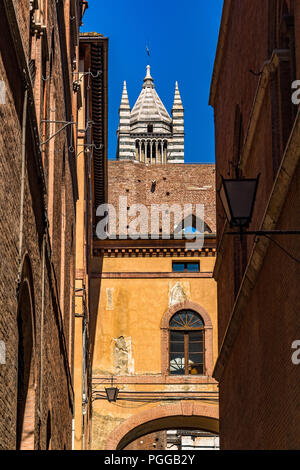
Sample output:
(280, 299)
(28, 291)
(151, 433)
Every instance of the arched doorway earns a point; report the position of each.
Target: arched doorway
(26, 381)
(187, 415)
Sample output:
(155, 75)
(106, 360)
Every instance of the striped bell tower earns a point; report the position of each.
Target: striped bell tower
(177, 144)
(126, 150)
(147, 133)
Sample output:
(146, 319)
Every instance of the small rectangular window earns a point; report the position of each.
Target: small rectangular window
(178, 267)
(185, 267)
(192, 267)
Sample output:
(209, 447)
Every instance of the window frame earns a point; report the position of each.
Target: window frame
(186, 332)
(185, 263)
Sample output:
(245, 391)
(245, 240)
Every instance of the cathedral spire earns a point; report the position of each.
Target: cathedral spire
(123, 149)
(124, 100)
(177, 98)
(177, 146)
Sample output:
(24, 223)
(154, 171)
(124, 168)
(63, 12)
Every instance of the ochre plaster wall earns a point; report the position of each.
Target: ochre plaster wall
(128, 343)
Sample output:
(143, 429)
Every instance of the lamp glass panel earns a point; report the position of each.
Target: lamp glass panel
(225, 203)
(240, 194)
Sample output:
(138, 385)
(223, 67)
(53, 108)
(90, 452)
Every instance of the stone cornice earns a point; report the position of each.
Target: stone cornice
(152, 252)
(151, 275)
(274, 207)
(152, 379)
(153, 247)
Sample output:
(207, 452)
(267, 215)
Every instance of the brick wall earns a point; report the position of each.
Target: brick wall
(51, 276)
(259, 392)
(174, 184)
(260, 370)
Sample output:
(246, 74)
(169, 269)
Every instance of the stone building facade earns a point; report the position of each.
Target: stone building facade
(140, 286)
(147, 133)
(38, 181)
(257, 131)
(136, 291)
(110, 344)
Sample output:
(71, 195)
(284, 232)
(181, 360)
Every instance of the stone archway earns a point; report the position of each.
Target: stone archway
(183, 414)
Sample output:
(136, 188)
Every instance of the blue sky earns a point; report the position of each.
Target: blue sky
(182, 37)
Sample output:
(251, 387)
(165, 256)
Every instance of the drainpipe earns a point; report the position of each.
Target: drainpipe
(23, 169)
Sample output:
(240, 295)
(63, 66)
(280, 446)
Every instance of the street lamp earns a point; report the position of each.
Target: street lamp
(112, 392)
(238, 198)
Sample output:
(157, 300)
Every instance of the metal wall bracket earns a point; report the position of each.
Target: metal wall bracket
(65, 125)
(76, 82)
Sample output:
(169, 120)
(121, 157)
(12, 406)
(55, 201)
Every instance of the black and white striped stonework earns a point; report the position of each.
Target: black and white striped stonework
(148, 134)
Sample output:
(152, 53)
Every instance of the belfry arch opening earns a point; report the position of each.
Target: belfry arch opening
(151, 151)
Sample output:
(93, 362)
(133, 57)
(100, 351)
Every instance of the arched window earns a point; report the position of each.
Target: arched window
(192, 225)
(186, 331)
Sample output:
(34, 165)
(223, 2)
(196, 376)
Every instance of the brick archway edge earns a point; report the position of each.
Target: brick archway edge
(186, 306)
(181, 409)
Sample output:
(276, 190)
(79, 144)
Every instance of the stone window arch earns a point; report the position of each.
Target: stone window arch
(153, 151)
(148, 151)
(143, 151)
(206, 327)
(137, 150)
(165, 151)
(189, 225)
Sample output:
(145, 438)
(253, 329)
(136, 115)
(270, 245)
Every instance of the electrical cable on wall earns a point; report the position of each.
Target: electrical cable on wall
(283, 249)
